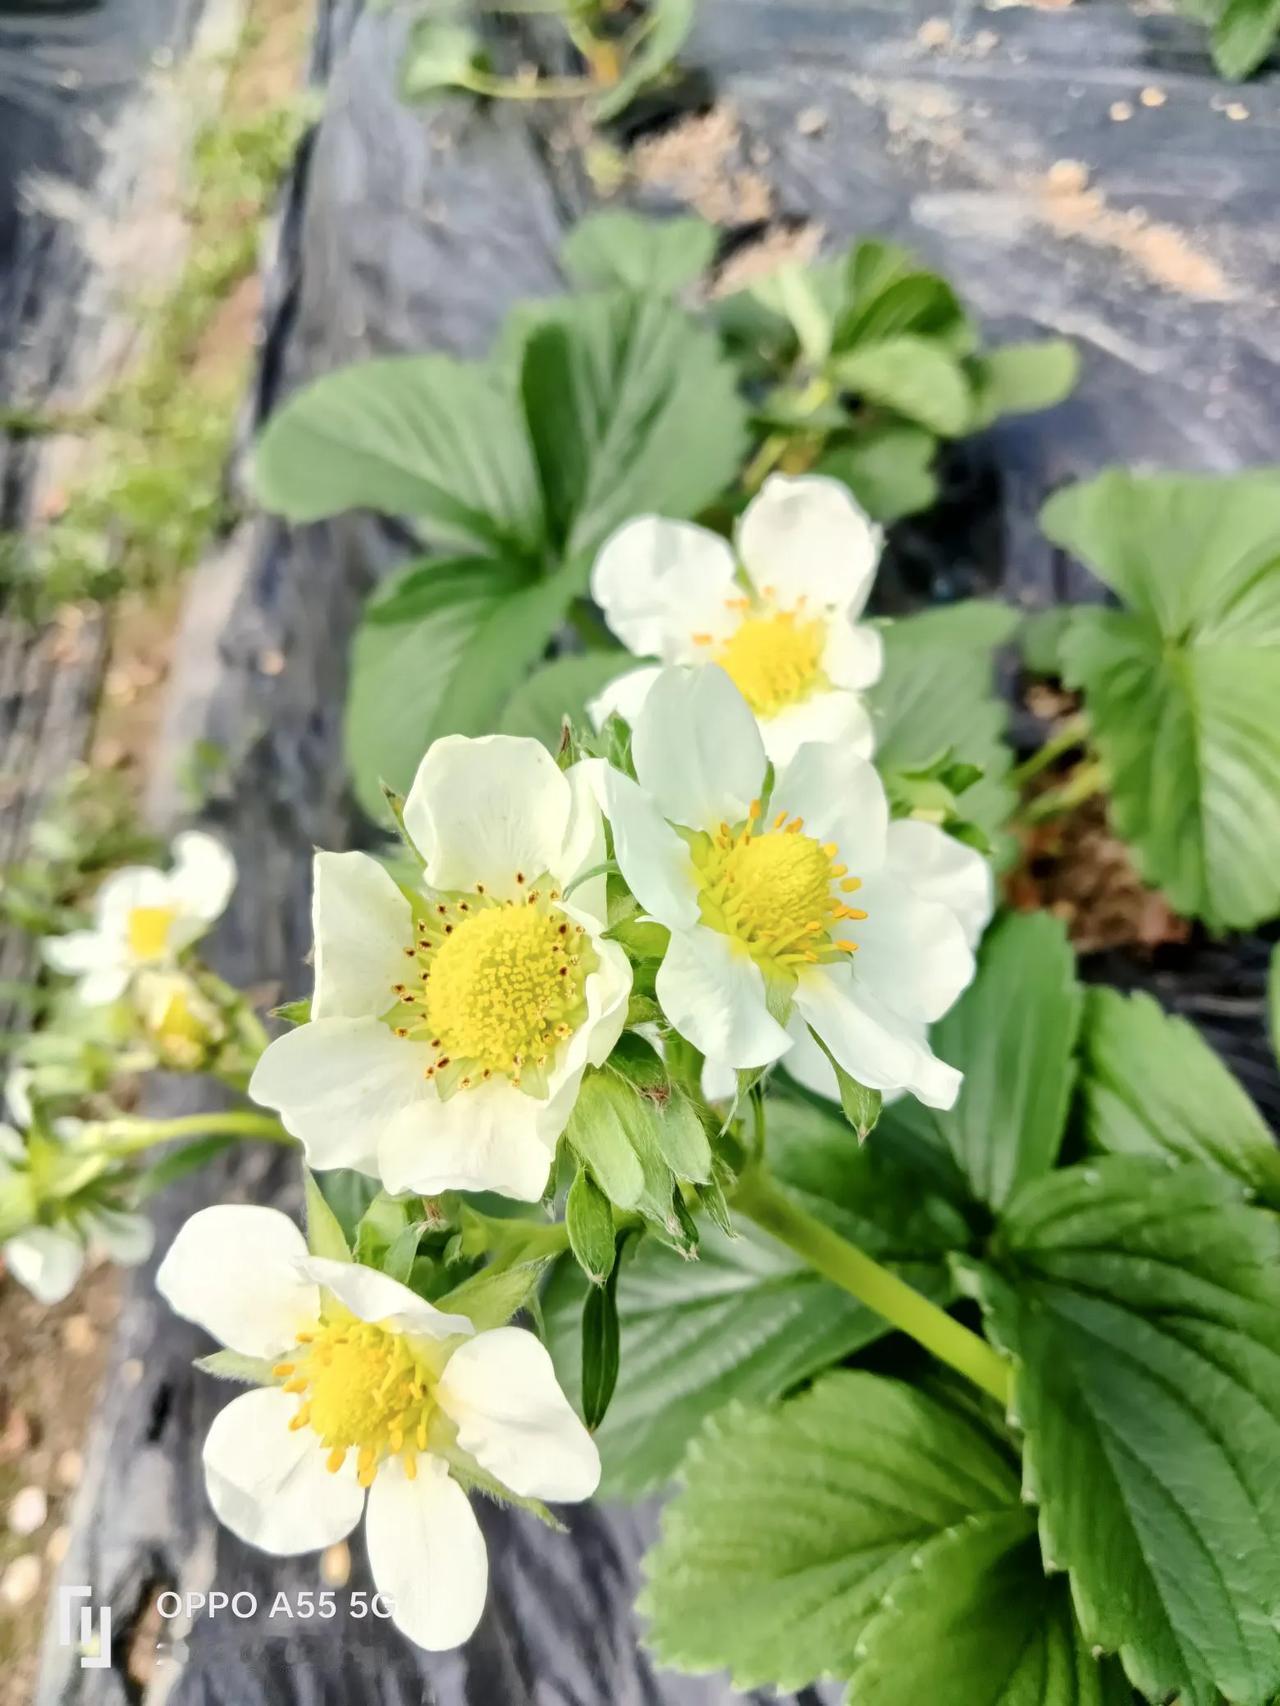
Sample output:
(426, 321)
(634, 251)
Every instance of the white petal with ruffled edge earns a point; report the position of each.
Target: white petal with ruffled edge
(47, 1260)
(653, 859)
(233, 1270)
(376, 1297)
(269, 1485)
(487, 1138)
(713, 993)
(362, 925)
(805, 537)
(427, 1553)
(338, 1083)
(839, 719)
(481, 811)
(623, 697)
(912, 954)
(660, 582)
(201, 880)
(875, 1046)
(938, 867)
(501, 1390)
(697, 749)
(840, 798)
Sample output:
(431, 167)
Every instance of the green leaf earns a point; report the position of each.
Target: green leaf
(976, 1623)
(1151, 1085)
(349, 1196)
(491, 1297)
(600, 1342)
(1013, 1035)
(1141, 1306)
(1273, 1000)
(794, 1523)
(439, 653)
(670, 22)
(631, 409)
(231, 1365)
(422, 436)
(892, 296)
(656, 257)
(1183, 687)
(325, 1236)
(1019, 379)
(1245, 35)
(440, 54)
(889, 469)
(588, 1220)
(560, 689)
(747, 1320)
(912, 377)
(937, 695)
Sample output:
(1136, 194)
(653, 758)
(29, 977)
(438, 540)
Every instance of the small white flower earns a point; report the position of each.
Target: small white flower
(780, 618)
(450, 1030)
(48, 1257)
(788, 911)
(937, 867)
(145, 918)
(375, 1390)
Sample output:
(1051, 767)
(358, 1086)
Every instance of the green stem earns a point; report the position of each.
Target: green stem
(760, 1200)
(132, 1136)
(1070, 734)
(1081, 785)
(513, 89)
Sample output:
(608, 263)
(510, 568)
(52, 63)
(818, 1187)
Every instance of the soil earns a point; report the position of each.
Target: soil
(51, 1361)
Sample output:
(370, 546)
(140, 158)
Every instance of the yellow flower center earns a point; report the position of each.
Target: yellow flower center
(776, 891)
(498, 988)
(148, 931)
(363, 1389)
(774, 658)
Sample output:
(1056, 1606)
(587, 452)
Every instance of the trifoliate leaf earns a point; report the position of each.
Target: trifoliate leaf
(889, 470)
(656, 257)
(1151, 1085)
(977, 1623)
(1019, 379)
(912, 376)
(1183, 686)
(794, 1523)
(424, 436)
(1141, 1305)
(1013, 1034)
(439, 653)
(631, 408)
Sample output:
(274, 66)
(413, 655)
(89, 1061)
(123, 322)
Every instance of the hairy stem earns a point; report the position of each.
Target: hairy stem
(132, 1136)
(762, 1201)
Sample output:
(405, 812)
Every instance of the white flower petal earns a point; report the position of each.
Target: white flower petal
(653, 859)
(912, 953)
(854, 654)
(875, 1046)
(13, 1148)
(127, 1238)
(123, 890)
(806, 538)
(840, 798)
(623, 697)
(374, 1296)
(269, 1485)
(233, 1269)
(101, 988)
(713, 993)
(837, 718)
(584, 847)
(501, 1390)
(660, 582)
(719, 1082)
(203, 875)
(608, 991)
(697, 749)
(427, 1553)
(338, 1083)
(47, 1260)
(17, 1094)
(807, 1064)
(938, 867)
(487, 1138)
(362, 925)
(80, 951)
